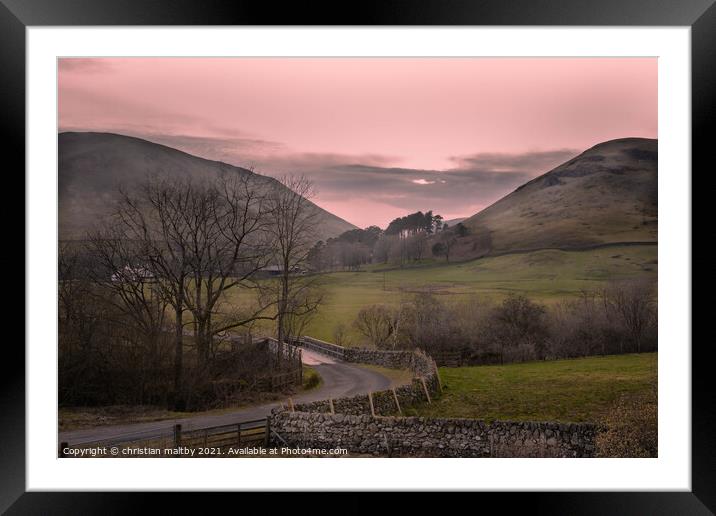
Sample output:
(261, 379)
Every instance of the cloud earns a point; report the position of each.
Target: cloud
(476, 182)
(240, 151)
(83, 65)
(344, 183)
(502, 162)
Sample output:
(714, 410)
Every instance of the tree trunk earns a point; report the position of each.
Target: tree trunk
(178, 360)
(282, 305)
(203, 341)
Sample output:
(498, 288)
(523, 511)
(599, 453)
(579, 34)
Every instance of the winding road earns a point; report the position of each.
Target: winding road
(339, 379)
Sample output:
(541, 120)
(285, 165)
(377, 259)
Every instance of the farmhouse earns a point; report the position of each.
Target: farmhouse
(128, 273)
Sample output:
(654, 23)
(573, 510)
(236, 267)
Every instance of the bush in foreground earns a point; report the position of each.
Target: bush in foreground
(631, 428)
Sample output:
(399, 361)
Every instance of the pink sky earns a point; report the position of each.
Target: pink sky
(379, 137)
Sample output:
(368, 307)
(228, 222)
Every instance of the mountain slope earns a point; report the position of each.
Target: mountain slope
(454, 222)
(607, 194)
(93, 165)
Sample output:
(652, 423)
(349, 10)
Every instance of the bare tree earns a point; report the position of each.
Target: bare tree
(445, 244)
(340, 335)
(377, 323)
(79, 320)
(199, 239)
(128, 283)
(292, 225)
(230, 244)
(519, 327)
(151, 216)
(296, 318)
(381, 250)
(111, 349)
(631, 304)
(416, 245)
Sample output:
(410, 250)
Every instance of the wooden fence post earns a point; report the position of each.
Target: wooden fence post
(177, 436)
(372, 408)
(330, 404)
(397, 404)
(437, 375)
(387, 444)
(63, 445)
(290, 404)
(425, 388)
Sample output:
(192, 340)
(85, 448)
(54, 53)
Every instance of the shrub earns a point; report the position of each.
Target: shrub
(630, 428)
(311, 378)
(631, 307)
(519, 329)
(377, 323)
(621, 318)
(340, 335)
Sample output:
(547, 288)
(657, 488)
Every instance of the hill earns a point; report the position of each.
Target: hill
(454, 222)
(606, 195)
(92, 165)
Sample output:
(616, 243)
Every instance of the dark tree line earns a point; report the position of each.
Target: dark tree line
(412, 238)
(347, 251)
(620, 318)
(161, 274)
(417, 222)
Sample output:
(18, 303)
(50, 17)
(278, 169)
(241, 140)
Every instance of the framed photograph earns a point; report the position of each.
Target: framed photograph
(436, 246)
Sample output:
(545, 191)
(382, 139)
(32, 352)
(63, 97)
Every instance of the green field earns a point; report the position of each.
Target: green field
(574, 390)
(545, 276)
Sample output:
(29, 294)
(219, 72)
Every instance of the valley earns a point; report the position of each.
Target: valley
(546, 276)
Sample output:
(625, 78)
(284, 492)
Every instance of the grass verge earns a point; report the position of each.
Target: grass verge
(576, 390)
(397, 377)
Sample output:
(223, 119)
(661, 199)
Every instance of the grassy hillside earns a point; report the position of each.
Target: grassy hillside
(92, 165)
(607, 194)
(576, 390)
(545, 276)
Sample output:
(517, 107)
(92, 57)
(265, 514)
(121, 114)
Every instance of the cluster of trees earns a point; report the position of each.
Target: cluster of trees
(620, 318)
(104, 356)
(414, 223)
(406, 239)
(348, 251)
(160, 272)
(447, 240)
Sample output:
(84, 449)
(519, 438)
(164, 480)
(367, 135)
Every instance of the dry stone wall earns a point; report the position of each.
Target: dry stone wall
(416, 361)
(327, 348)
(384, 402)
(417, 436)
(352, 423)
(425, 382)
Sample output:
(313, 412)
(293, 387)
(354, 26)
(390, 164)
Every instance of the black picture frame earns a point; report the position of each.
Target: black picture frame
(700, 15)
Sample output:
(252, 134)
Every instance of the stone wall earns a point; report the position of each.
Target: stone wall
(384, 402)
(353, 425)
(417, 436)
(416, 361)
(321, 346)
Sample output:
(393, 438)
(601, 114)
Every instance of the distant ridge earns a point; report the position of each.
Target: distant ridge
(92, 165)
